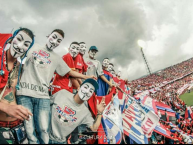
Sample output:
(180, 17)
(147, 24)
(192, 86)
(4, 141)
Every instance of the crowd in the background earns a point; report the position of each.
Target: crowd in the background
(164, 76)
(167, 92)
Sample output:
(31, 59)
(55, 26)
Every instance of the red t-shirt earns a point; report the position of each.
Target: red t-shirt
(80, 64)
(4, 78)
(118, 81)
(64, 82)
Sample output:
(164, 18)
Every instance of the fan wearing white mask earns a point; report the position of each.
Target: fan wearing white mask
(80, 65)
(41, 64)
(103, 86)
(94, 66)
(69, 112)
(111, 68)
(65, 82)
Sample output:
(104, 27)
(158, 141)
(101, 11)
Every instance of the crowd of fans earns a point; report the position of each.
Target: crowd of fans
(164, 76)
(165, 85)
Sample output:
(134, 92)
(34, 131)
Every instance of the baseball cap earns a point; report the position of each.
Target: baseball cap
(93, 82)
(93, 48)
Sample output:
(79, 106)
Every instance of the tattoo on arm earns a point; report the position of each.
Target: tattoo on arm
(9, 97)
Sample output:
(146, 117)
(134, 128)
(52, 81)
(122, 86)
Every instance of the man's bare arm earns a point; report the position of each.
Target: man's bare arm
(100, 108)
(79, 75)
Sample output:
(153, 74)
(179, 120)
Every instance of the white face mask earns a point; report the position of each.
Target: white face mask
(54, 40)
(20, 44)
(92, 54)
(113, 73)
(105, 63)
(86, 91)
(110, 68)
(82, 49)
(74, 50)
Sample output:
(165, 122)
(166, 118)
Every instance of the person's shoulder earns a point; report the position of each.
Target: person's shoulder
(86, 58)
(85, 110)
(66, 56)
(96, 61)
(37, 46)
(79, 56)
(63, 93)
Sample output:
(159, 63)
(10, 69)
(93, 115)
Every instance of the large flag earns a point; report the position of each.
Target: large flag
(92, 102)
(150, 103)
(103, 86)
(138, 121)
(160, 129)
(123, 95)
(102, 139)
(112, 122)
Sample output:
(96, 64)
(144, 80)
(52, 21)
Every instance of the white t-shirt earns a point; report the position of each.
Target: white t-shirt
(94, 67)
(67, 115)
(39, 68)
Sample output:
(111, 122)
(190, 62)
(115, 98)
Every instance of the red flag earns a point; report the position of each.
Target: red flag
(3, 39)
(92, 102)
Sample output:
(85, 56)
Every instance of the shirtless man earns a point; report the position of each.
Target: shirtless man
(11, 114)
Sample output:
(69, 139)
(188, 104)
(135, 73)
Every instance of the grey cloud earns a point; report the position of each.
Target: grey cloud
(113, 26)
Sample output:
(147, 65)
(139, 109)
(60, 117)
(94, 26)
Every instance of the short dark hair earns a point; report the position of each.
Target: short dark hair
(74, 43)
(28, 32)
(111, 64)
(59, 31)
(106, 58)
(82, 43)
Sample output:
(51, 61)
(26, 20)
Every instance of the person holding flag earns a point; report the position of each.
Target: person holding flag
(103, 86)
(66, 82)
(70, 112)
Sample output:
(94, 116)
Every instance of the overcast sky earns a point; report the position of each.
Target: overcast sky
(114, 26)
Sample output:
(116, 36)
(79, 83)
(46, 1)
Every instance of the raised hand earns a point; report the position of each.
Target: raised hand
(101, 106)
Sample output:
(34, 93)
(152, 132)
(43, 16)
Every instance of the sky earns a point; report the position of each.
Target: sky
(114, 26)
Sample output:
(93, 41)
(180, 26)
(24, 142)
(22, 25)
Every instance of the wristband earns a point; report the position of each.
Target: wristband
(99, 114)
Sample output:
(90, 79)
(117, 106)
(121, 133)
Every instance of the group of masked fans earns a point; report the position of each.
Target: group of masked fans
(44, 99)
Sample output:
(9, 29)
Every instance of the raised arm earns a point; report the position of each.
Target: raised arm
(105, 80)
(80, 76)
(100, 109)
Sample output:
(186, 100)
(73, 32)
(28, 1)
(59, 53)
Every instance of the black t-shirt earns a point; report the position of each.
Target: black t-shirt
(2, 140)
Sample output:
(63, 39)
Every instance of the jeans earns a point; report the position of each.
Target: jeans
(55, 142)
(38, 127)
